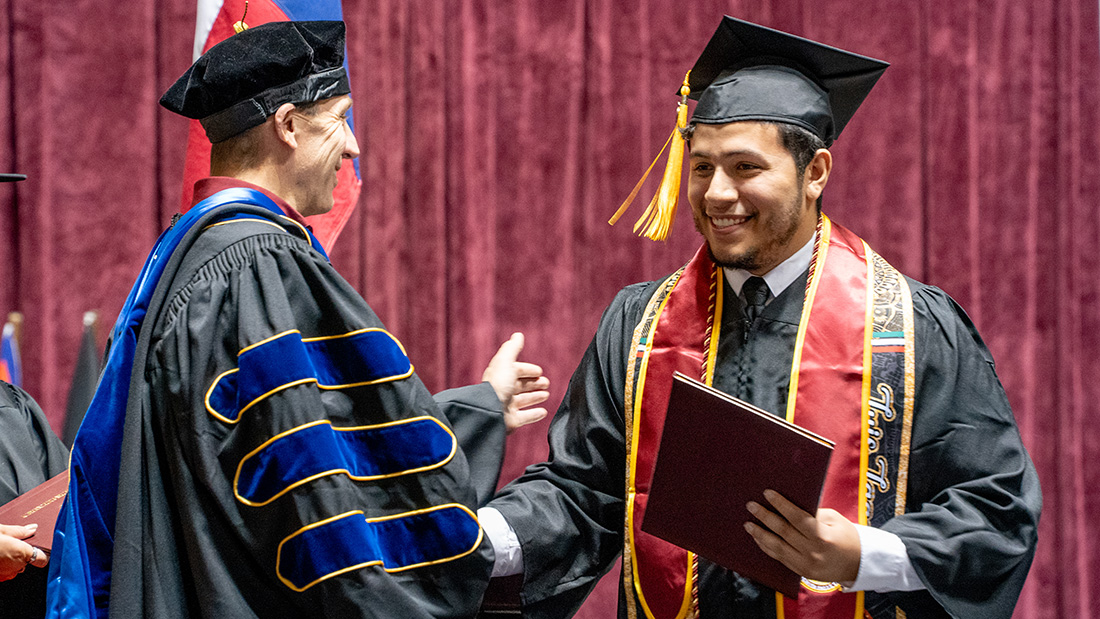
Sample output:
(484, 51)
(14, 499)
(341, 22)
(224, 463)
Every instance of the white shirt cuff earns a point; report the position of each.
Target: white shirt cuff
(509, 555)
(884, 563)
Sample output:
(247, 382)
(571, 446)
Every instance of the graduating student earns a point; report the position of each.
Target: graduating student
(259, 445)
(30, 453)
(931, 504)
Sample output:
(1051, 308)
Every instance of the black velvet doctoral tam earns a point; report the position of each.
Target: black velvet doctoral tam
(241, 81)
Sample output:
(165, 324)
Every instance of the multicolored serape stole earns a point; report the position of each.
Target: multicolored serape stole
(890, 410)
(851, 381)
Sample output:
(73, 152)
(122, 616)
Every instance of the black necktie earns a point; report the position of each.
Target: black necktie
(755, 290)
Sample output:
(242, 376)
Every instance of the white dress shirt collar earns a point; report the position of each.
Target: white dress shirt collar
(781, 276)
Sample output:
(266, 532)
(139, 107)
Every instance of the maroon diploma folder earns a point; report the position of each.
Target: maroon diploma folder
(40, 505)
(718, 453)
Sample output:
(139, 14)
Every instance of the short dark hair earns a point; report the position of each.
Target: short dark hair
(801, 143)
(309, 108)
(242, 151)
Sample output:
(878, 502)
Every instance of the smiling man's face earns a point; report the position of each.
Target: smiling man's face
(746, 196)
(325, 142)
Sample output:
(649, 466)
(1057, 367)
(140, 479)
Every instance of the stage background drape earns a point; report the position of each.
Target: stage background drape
(498, 136)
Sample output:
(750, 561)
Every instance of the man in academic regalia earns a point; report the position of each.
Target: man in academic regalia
(259, 445)
(931, 504)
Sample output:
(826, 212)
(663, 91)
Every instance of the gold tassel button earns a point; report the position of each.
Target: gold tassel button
(240, 26)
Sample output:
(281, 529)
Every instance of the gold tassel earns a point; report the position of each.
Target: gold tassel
(240, 26)
(657, 219)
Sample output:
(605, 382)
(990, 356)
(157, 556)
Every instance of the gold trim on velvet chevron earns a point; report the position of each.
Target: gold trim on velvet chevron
(292, 484)
(361, 548)
(407, 371)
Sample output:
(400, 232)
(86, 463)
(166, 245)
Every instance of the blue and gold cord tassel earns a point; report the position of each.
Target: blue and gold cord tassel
(657, 219)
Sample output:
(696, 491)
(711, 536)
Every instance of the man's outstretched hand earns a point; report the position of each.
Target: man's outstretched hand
(824, 547)
(517, 384)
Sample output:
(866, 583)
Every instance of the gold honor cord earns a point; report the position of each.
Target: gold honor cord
(910, 391)
(656, 222)
(636, 429)
(865, 388)
(821, 250)
(641, 345)
(641, 348)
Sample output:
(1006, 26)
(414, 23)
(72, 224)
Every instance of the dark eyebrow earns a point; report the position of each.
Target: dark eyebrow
(728, 153)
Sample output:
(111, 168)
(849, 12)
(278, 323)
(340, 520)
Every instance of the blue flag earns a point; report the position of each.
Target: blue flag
(10, 367)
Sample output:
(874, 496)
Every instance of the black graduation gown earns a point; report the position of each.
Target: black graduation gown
(973, 492)
(185, 546)
(30, 453)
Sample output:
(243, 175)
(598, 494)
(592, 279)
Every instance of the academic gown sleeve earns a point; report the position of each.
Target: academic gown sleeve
(568, 512)
(973, 491)
(234, 294)
(30, 453)
(477, 417)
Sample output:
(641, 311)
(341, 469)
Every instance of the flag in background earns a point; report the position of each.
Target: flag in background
(85, 378)
(10, 368)
(213, 24)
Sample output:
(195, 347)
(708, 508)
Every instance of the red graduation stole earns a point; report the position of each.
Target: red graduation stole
(852, 297)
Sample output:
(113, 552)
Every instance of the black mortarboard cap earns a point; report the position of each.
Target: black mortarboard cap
(8, 178)
(242, 80)
(749, 72)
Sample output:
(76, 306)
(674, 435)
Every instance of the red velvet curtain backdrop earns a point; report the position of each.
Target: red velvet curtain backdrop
(498, 136)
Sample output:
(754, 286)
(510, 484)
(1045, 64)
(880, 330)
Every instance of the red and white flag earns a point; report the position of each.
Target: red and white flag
(213, 24)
